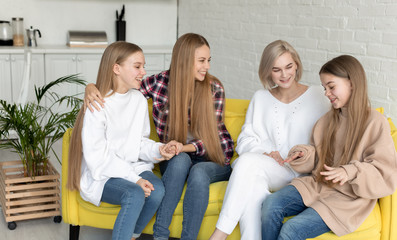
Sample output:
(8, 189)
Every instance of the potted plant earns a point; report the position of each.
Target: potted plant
(30, 186)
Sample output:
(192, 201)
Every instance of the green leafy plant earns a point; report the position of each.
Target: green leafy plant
(37, 126)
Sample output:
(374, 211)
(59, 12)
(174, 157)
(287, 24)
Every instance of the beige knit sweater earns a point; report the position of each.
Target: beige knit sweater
(372, 174)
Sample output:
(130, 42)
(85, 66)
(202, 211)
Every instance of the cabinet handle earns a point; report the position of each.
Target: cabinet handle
(74, 59)
(79, 59)
(7, 59)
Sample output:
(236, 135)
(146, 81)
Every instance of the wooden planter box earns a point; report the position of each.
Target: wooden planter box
(24, 198)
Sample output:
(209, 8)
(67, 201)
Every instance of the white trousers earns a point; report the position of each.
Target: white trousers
(254, 176)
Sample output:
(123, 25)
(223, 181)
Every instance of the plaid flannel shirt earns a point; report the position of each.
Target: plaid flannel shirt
(156, 87)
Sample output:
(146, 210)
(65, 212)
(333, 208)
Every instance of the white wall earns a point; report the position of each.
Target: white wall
(149, 22)
(238, 31)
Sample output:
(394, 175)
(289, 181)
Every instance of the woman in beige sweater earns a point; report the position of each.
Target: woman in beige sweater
(350, 163)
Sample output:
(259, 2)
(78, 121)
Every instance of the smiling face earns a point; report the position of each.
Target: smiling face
(338, 90)
(202, 59)
(129, 73)
(284, 71)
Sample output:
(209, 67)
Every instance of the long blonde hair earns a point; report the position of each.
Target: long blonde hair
(115, 53)
(358, 110)
(186, 95)
(271, 52)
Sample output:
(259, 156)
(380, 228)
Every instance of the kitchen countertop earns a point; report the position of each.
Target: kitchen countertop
(74, 50)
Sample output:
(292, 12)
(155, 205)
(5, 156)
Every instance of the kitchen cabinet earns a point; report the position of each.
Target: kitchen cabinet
(51, 62)
(59, 65)
(156, 62)
(12, 67)
(5, 78)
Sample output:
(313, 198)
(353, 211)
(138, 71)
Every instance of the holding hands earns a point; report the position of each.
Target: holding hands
(293, 157)
(335, 175)
(276, 156)
(169, 150)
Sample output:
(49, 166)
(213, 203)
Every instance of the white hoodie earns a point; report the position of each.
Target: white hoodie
(116, 143)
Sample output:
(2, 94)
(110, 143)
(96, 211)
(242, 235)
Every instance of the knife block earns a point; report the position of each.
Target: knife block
(120, 30)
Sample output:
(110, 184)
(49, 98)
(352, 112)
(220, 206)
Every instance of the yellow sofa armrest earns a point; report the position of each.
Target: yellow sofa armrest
(388, 205)
(69, 198)
(388, 208)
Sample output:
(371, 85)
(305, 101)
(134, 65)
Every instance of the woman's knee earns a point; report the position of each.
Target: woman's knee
(271, 208)
(179, 163)
(247, 162)
(198, 179)
(289, 230)
(158, 193)
(133, 196)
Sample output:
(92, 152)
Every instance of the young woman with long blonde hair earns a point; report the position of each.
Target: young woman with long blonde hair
(350, 163)
(188, 106)
(111, 155)
(279, 116)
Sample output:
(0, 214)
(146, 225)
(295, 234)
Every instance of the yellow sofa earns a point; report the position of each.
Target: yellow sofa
(78, 212)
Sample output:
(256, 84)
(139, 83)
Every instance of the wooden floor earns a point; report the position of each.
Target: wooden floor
(47, 229)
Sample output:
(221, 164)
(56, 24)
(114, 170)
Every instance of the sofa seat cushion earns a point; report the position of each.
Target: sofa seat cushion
(89, 213)
(103, 207)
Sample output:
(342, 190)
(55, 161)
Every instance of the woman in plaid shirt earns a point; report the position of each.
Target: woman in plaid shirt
(188, 106)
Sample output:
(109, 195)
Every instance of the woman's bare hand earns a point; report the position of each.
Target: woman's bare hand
(146, 186)
(276, 156)
(167, 152)
(175, 145)
(91, 97)
(293, 157)
(335, 175)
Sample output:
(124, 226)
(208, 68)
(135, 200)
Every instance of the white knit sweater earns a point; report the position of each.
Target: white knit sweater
(271, 125)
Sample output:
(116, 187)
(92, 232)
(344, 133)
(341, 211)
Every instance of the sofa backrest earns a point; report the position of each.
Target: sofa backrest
(235, 110)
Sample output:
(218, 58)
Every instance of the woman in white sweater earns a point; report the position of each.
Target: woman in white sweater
(278, 117)
(111, 155)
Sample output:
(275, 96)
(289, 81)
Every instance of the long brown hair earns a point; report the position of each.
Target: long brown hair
(358, 110)
(271, 52)
(186, 95)
(115, 53)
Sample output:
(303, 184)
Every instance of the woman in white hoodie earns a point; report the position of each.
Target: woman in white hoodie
(111, 155)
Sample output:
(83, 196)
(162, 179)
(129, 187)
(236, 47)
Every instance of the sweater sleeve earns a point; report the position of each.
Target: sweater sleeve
(101, 161)
(306, 163)
(149, 149)
(373, 173)
(249, 140)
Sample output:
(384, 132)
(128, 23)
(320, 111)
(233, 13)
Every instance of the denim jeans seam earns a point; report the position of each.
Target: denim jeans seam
(122, 216)
(317, 227)
(163, 211)
(221, 175)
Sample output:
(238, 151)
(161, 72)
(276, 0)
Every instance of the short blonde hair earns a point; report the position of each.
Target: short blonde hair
(270, 54)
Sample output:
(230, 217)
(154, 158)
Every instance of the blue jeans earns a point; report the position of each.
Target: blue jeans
(199, 174)
(136, 210)
(288, 202)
